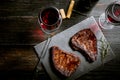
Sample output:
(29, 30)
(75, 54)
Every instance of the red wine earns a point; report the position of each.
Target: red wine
(111, 19)
(116, 11)
(49, 16)
(112, 13)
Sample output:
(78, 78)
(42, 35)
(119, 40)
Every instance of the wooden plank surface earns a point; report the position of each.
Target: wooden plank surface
(20, 31)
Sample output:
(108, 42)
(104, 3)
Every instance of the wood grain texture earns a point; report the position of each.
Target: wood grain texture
(20, 31)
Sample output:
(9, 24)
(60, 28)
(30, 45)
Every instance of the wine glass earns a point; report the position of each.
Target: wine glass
(111, 17)
(50, 20)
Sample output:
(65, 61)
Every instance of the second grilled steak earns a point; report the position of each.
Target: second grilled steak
(85, 42)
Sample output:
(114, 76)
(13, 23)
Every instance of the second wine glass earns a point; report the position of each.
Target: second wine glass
(111, 17)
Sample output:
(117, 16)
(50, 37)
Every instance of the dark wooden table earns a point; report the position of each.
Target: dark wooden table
(20, 31)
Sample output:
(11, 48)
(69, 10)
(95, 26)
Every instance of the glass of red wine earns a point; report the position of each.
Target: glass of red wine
(49, 19)
(111, 17)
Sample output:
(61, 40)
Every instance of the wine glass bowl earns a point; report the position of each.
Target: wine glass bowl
(111, 17)
(49, 19)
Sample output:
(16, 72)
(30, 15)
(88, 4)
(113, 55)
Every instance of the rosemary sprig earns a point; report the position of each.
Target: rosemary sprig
(103, 48)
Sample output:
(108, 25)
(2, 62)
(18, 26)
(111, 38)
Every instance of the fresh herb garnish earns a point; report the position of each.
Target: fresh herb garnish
(103, 48)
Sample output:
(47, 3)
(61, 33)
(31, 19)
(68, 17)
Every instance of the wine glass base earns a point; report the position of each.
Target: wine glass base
(104, 23)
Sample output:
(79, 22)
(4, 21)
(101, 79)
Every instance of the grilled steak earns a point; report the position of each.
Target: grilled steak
(65, 63)
(85, 42)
